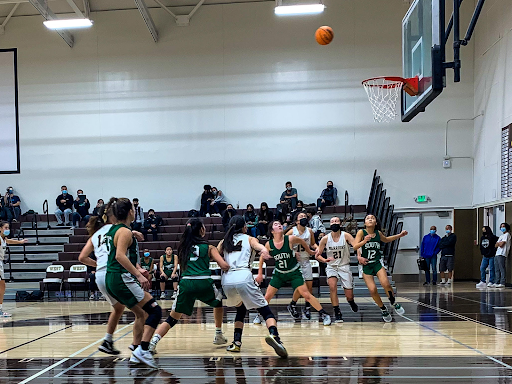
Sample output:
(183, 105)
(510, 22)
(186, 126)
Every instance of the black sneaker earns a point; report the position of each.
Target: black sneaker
(278, 346)
(426, 283)
(338, 318)
(60, 225)
(353, 306)
(306, 313)
(108, 347)
(434, 283)
(293, 311)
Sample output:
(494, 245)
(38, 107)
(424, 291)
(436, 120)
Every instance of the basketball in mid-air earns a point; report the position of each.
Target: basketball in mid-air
(324, 35)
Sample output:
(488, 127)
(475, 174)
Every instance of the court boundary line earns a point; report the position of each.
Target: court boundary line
(38, 338)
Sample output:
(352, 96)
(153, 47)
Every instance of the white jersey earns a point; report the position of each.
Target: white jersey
(3, 245)
(239, 261)
(101, 250)
(338, 250)
(306, 236)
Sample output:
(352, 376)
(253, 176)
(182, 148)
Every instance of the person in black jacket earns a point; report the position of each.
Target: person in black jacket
(206, 199)
(488, 251)
(152, 225)
(227, 215)
(251, 220)
(81, 209)
(64, 207)
(265, 216)
(447, 246)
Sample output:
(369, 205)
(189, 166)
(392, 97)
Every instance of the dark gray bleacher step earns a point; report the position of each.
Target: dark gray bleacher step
(31, 276)
(48, 240)
(37, 248)
(48, 232)
(43, 225)
(38, 257)
(20, 267)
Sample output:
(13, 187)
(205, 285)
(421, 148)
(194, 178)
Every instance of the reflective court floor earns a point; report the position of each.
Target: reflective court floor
(447, 335)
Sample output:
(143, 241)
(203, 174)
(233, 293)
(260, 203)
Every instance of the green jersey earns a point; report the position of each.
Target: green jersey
(113, 265)
(371, 250)
(286, 261)
(168, 265)
(198, 266)
(144, 265)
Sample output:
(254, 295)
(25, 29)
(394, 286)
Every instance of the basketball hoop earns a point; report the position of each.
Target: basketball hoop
(383, 93)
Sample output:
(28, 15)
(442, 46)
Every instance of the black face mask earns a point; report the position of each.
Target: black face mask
(303, 221)
(335, 227)
(231, 210)
(330, 187)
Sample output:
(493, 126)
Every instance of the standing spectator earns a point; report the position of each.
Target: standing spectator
(327, 197)
(64, 207)
(152, 225)
(138, 223)
(228, 214)
(82, 207)
(288, 201)
(251, 220)
(265, 216)
(206, 199)
(488, 251)
(315, 222)
(429, 251)
(502, 250)
(99, 204)
(11, 206)
(219, 203)
(447, 246)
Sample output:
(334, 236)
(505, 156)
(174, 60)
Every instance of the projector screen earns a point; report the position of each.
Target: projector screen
(9, 131)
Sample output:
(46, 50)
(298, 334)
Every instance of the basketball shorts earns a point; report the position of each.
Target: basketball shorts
(102, 286)
(342, 273)
(373, 268)
(169, 278)
(124, 288)
(294, 278)
(307, 270)
(244, 291)
(190, 290)
(446, 263)
(2, 277)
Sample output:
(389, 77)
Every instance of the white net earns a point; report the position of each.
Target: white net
(383, 95)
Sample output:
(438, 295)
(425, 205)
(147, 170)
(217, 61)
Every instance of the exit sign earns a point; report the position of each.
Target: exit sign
(421, 199)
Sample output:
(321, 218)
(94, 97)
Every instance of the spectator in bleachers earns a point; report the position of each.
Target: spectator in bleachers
(251, 220)
(138, 223)
(10, 206)
(219, 202)
(152, 225)
(288, 201)
(299, 208)
(168, 272)
(228, 214)
(82, 207)
(265, 216)
(147, 263)
(64, 207)
(99, 204)
(206, 199)
(315, 222)
(429, 251)
(327, 197)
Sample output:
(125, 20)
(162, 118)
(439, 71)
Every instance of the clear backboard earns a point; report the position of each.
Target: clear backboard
(423, 54)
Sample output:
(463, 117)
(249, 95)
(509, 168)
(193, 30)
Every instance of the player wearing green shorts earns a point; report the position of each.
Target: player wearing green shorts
(287, 268)
(370, 255)
(168, 272)
(194, 255)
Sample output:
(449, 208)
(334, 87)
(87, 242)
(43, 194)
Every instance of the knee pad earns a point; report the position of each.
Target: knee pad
(171, 321)
(266, 313)
(241, 311)
(154, 312)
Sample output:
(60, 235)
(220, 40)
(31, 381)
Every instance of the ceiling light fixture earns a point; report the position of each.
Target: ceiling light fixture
(298, 8)
(67, 23)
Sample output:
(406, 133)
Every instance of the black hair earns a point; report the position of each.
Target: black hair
(96, 222)
(119, 208)
(250, 205)
(81, 190)
(207, 187)
(135, 199)
(506, 225)
(2, 223)
(263, 204)
(270, 225)
(311, 210)
(190, 237)
(330, 181)
(236, 225)
(101, 200)
(63, 187)
(377, 221)
(289, 182)
(301, 203)
(488, 231)
(151, 210)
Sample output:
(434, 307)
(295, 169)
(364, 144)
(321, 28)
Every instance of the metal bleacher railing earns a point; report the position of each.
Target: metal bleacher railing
(45, 212)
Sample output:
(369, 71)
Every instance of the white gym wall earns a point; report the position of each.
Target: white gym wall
(240, 99)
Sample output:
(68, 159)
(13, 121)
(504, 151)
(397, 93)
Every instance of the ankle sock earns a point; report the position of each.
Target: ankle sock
(293, 303)
(383, 308)
(322, 312)
(144, 345)
(391, 297)
(273, 330)
(108, 337)
(218, 330)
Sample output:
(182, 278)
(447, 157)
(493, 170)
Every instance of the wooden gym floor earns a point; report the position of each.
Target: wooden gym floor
(447, 335)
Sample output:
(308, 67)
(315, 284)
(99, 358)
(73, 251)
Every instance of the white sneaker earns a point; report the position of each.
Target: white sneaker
(499, 286)
(91, 297)
(481, 285)
(162, 296)
(219, 339)
(144, 357)
(4, 314)
(326, 319)
(257, 320)
(174, 295)
(491, 285)
(207, 215)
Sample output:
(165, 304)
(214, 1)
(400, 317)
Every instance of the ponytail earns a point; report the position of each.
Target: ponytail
(236, 225)
(119, 208)
(96, 222)
(190, 237)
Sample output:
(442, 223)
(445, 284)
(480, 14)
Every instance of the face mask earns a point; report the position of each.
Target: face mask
(288, 188)
(135, 205)
(214, 193)
(432, 232)
(503, 230)
(151, 214)
(146, 254)
(7, 232)
(231, 210)
(10, 190)
(329, 187)
(448, 231)
(64, 192)
(303, 221)
(335, 227)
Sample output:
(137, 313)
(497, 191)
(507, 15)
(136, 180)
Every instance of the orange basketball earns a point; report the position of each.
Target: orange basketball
(324, 35)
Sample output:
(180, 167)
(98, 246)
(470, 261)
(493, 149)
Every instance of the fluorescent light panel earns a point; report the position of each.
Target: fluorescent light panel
(67, 23)
(299, 9)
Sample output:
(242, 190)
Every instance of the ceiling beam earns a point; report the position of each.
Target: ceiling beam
(2, 27)
(87, 8)
(143, 9)
(47, 13)
(76, 9)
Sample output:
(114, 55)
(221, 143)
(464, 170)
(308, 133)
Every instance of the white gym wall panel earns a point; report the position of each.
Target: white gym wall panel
(9, 149)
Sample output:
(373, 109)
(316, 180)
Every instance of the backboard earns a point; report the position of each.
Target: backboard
(423, 54)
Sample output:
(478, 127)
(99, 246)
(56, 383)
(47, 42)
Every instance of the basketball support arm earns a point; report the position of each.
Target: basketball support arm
(457, 42)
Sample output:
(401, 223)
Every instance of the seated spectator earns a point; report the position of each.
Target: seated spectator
(299, 208)
(138, 223)
(327, 197)
(152, 225)
(10, 206)
(82, 207)
(64, 207)
(265, 216)
(206, 201)
(251, 220)
(228, 214)
(147, 263)
(168, 272)
(315, 222)
(99, 204)
(219, 202)
(287, 202)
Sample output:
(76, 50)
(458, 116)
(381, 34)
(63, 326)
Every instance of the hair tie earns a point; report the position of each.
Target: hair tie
(189, 225)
